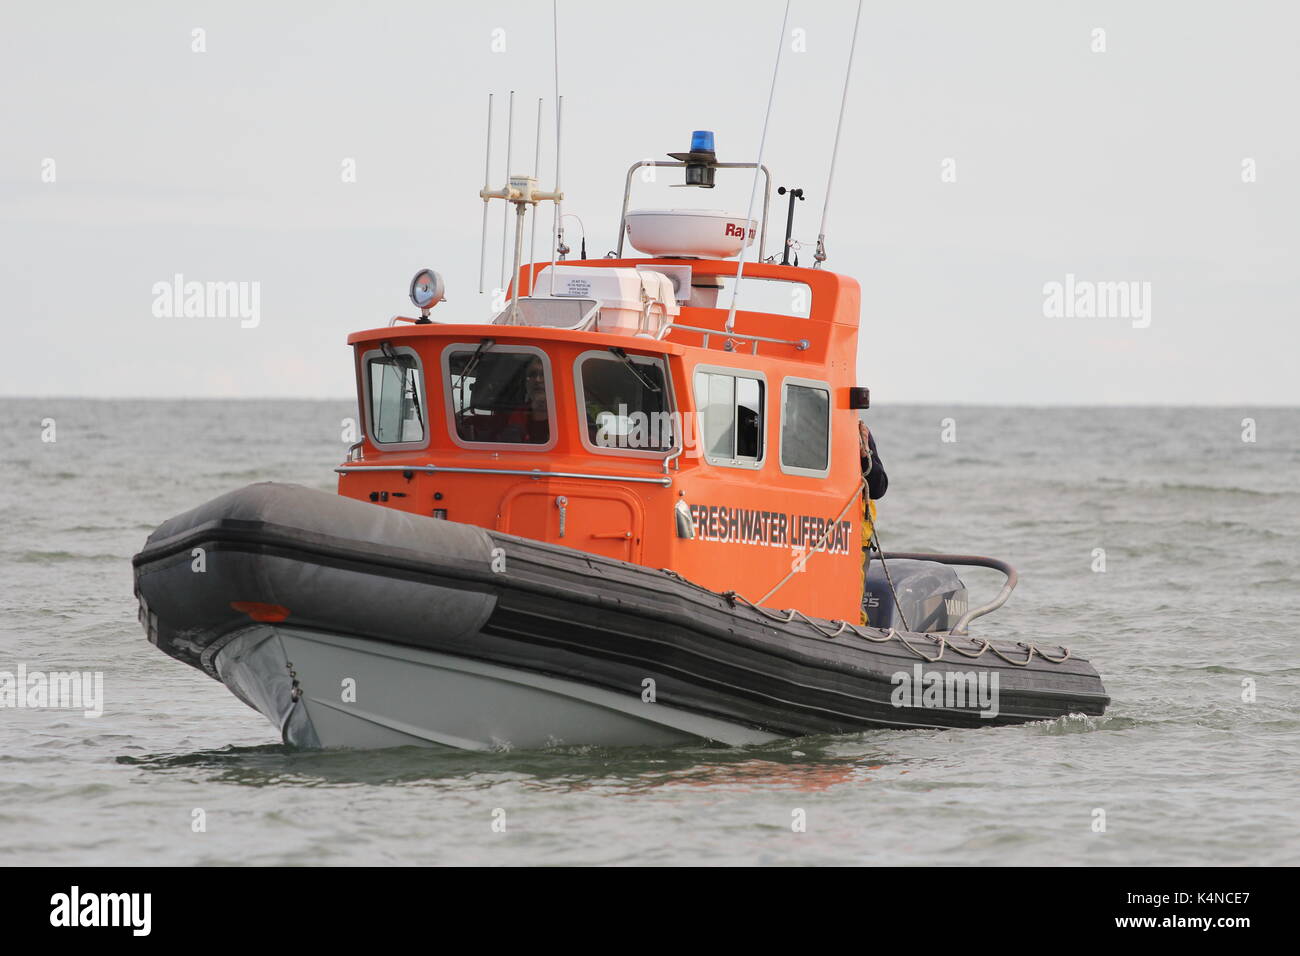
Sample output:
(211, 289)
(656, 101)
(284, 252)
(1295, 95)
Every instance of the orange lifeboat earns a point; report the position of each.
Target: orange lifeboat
(627, 509)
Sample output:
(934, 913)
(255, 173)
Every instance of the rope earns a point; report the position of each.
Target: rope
(790, 615)
(758, 168)
(889, 578)
(820, 541)
(820, 256)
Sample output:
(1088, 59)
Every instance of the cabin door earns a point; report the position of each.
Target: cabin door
(600, 520)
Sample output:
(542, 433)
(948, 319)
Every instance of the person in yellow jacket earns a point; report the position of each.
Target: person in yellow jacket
(877, 483)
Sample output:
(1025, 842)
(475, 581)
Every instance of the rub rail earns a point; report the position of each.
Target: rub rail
(535, 473)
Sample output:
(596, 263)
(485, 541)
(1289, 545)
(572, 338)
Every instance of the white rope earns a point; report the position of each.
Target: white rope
(820, 255)
(821, 542)
(758, 169)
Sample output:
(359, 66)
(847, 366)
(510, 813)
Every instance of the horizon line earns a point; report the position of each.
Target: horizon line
(898, 404)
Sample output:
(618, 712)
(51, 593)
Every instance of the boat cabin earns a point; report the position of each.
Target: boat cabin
(634, 427)
(644, 409)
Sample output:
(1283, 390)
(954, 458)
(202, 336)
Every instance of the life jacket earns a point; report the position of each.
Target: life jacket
(868, 529)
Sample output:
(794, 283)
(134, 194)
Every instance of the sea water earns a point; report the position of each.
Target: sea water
(1162, 544)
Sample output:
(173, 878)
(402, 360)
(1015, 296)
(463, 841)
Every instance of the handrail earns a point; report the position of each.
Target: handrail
(801, 345)
(967, 560)
(590, 319)
(534, 473)
(673, 455)
(627, 197)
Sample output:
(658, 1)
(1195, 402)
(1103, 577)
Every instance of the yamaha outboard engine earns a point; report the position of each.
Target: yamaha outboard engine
(930, 595)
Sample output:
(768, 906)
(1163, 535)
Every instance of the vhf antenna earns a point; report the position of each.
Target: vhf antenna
(521, 190)
(557, 226)
(537, 174)
(487, 181)
(510, 158)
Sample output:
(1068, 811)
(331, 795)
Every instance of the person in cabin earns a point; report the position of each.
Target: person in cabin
(877, 483)
(531, 422)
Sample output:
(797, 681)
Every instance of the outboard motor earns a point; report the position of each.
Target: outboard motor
(931, 595)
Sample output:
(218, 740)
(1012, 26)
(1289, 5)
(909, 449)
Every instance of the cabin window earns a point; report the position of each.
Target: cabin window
(757, 294)
(624, 402)
(500, 395)
(396, 398)
(806, 428)
(731, 417)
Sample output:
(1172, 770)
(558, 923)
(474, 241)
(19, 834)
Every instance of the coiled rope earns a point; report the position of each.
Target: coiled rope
(789, 617)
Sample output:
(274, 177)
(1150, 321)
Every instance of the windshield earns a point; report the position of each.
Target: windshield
(499, 397)
(396, 406)
(626, 403)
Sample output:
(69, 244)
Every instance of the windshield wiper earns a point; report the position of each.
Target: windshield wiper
(620, 354)
(472, 364)
(396, 364)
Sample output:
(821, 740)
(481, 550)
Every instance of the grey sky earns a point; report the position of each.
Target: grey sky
(226, 166)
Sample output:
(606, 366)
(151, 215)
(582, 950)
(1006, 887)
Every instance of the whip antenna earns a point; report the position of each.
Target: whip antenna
(753, 190)
(505, 218)
(820, 255)
(537, 174)
(557, 224)
(487, 182)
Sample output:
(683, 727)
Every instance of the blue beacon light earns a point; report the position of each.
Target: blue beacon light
(701, 161)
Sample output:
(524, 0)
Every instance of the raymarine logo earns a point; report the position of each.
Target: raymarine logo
(736, 229)
(950, 689)
(103, 909)
(57, 690)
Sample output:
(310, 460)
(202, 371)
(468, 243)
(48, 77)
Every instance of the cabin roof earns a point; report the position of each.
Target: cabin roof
(829, 329)
(835, 297)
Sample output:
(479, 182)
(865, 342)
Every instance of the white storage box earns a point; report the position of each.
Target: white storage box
(632, 301)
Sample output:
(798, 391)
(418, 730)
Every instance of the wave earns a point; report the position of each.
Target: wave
(52, 557)
(1216, 489)
(1082, 724)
